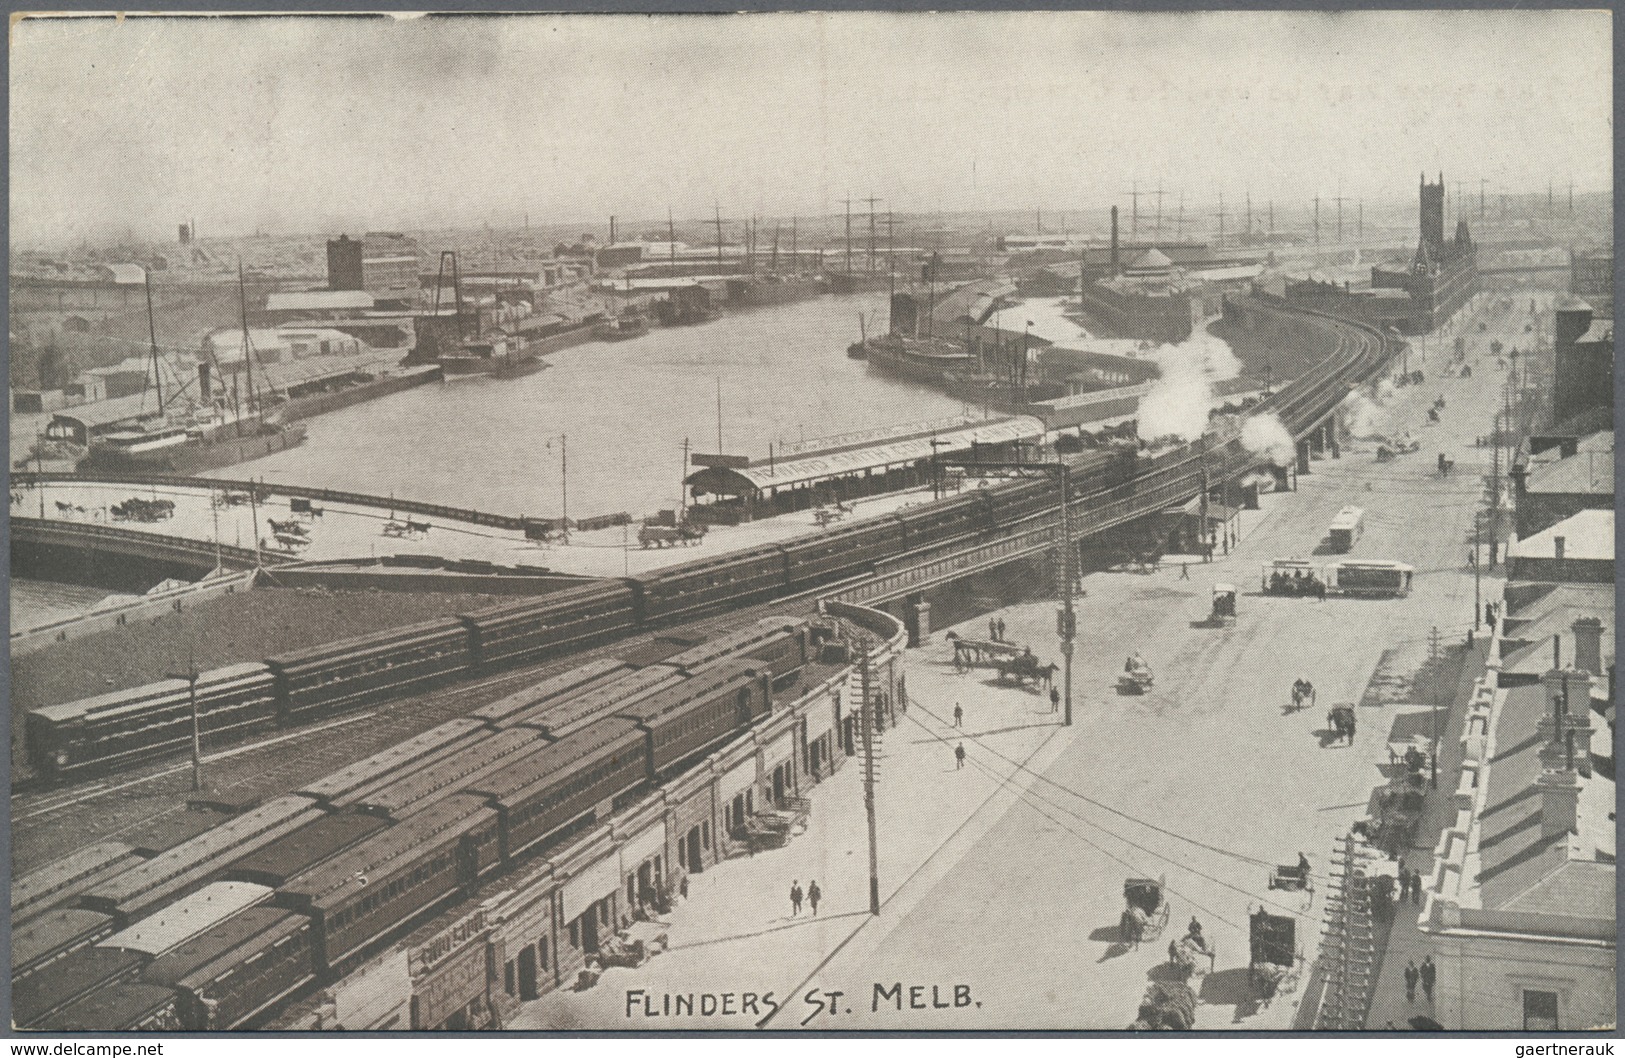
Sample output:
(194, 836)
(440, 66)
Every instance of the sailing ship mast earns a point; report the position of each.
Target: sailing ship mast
(152, 337)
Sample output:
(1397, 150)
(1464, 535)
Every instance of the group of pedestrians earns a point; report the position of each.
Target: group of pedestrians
(1426, 974)
(1410, 884)
(812, 896)
(995, 629)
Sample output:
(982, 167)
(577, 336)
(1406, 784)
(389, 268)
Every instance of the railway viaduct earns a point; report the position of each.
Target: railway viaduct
(1306, 408)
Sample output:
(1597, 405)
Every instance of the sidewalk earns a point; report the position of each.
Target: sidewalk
(735, 933)
(1405, 941)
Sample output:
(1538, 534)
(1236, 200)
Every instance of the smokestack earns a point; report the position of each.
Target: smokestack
(1114, 240)
(1557, 651)
(1588, 645)
(1557, 547)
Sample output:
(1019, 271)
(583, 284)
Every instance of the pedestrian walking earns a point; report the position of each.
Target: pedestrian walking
(1404, 886)
(1184, 571)
(1430, 973)
(795, 898)
(1416, 887)
(993, 629)
(959, 756)
(959, 715)
(1054, 699)
(814, 894)
(1001, 630)
(1412, 975)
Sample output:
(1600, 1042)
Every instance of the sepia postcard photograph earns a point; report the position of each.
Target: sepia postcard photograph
(876, 522)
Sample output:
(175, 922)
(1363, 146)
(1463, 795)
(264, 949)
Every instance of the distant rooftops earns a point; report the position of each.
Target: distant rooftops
(1586, 535)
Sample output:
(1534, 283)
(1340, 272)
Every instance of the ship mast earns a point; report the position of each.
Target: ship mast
(152, 337)
(248, 358)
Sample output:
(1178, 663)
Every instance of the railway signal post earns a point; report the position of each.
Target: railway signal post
(190, 676)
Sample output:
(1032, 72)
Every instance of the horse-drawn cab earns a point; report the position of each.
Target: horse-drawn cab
(1273, 964)
(1136, 677)
(1341, 722)
(1224, 604)
(1145, 913)
(1023, 667)
(1295, 877)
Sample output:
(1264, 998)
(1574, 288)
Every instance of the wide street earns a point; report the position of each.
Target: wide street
(1006, 877)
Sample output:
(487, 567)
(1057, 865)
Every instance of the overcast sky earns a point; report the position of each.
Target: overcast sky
(298, 124)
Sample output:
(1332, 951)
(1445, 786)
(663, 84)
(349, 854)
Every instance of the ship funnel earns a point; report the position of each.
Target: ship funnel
(1114, 240)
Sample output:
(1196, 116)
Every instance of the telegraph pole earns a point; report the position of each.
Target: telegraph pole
(1433, 655)
(564, 486)
(867, 719)
(1478, 602)
(1068, 619)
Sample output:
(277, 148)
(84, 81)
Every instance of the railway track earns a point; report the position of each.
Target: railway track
(1357, 351)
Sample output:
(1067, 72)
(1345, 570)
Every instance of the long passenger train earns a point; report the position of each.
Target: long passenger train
(218, 930)
(92, 736)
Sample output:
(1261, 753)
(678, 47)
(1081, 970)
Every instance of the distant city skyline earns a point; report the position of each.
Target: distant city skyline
(301, 124)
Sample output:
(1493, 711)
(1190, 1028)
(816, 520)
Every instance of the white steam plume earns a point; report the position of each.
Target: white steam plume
(1181, 397)
(1265, 435)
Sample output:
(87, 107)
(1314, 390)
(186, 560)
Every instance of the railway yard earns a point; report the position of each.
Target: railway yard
(1206, 781)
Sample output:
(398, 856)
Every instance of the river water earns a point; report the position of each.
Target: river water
(624, 408)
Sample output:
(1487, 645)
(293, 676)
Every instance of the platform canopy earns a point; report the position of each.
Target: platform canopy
(764, 475)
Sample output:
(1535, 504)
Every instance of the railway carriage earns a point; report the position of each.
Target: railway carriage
(225, 977)
(37, 941)
(46, 991)
(365, 772)
(560, 718)
(124, 1006)
(426, 786)
(839, 552)
(591, 674)
(714, 703)
(61, 881)
(696, 588)
(333, 677)
(523, 631)
(387, 880)
(109, 730)
(544, 795)
(304, 849)
(936, 523)
(191, 864)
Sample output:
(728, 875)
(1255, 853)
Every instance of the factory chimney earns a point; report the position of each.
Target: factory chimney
(1114, 240)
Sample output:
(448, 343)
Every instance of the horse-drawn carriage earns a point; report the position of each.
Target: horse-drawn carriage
(1398, 445)
(670, 535)
(1145, 911)
(1341, 722)
(1024, 667)
(1191, 955)
(1273, 964)
(773, 828)
(1136, 677)
(979, 653)
(1166, 1005)
(1224, 605)
(1294, 877)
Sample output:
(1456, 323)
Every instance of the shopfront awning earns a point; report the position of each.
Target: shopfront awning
(763, 476)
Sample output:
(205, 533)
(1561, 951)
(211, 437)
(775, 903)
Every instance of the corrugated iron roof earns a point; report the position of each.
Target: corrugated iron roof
(785, 473)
